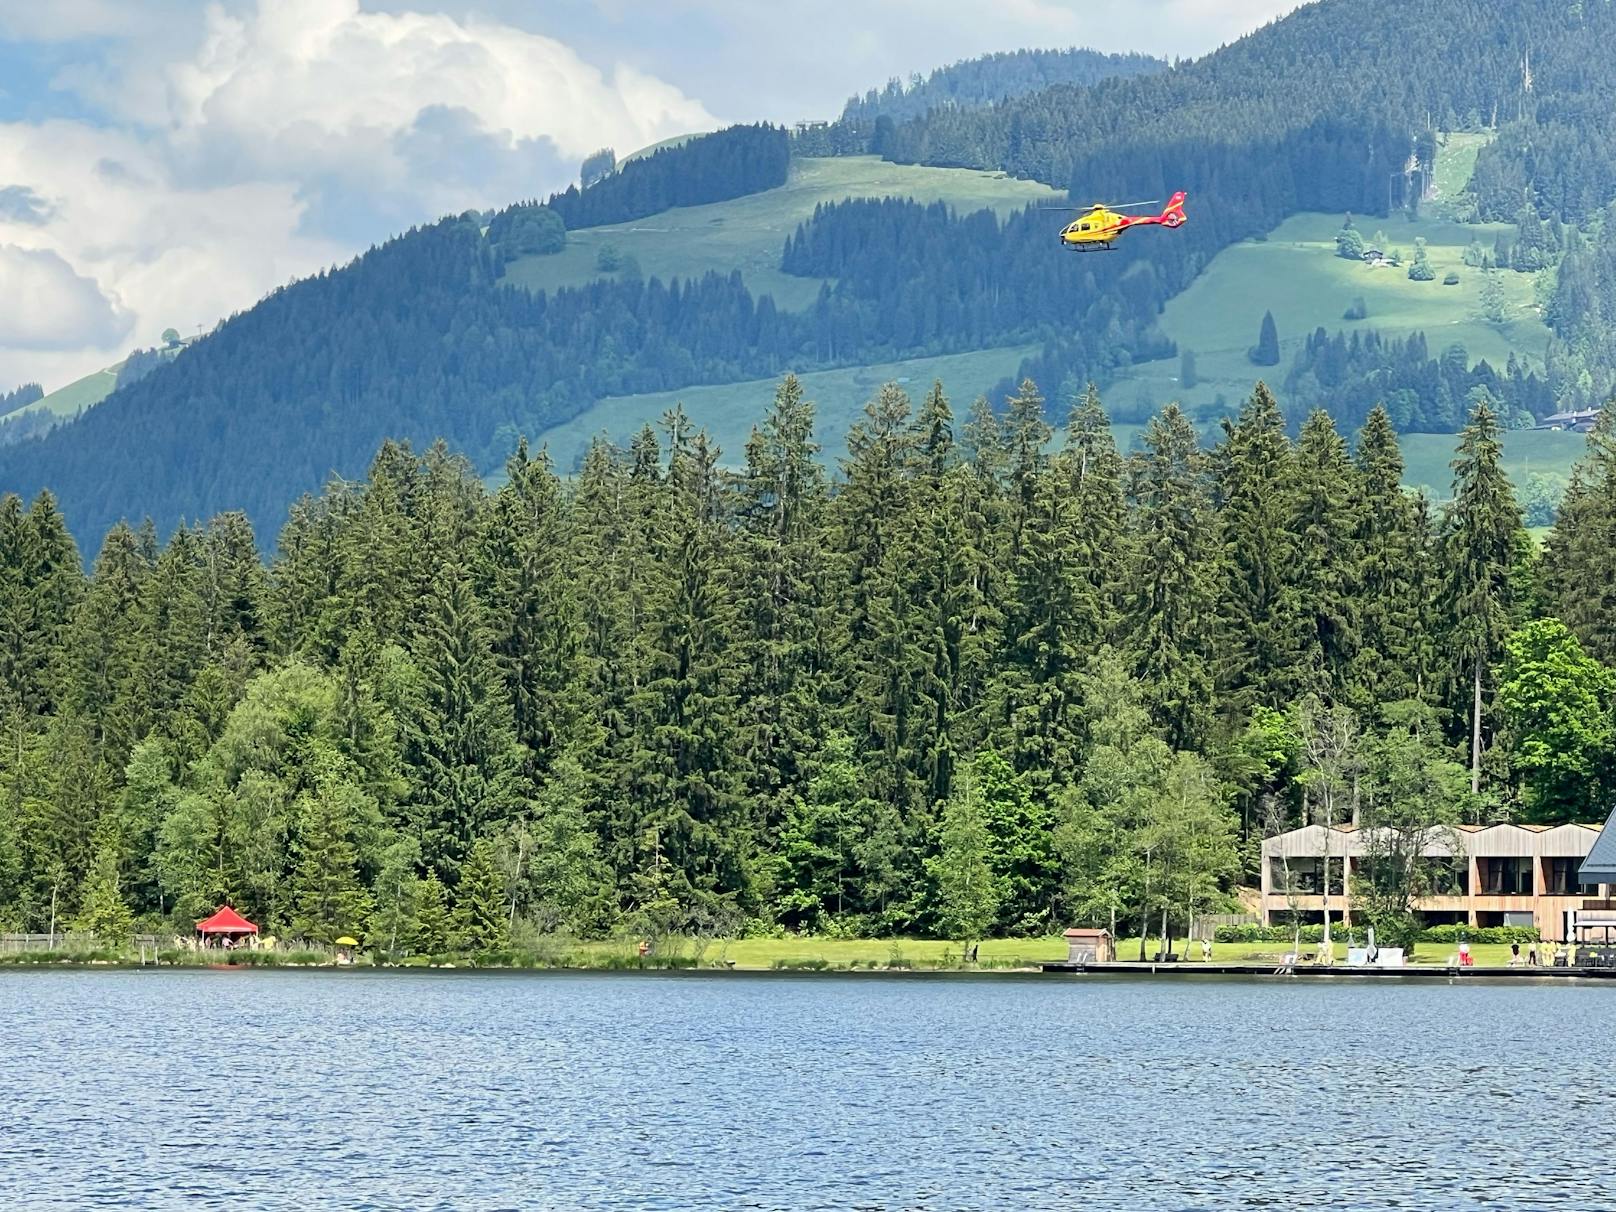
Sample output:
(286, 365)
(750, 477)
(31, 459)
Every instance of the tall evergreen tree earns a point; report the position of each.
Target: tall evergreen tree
(1483, 543)
(1259, 606)
(1328, 507)
(1391, 659)
(1174, 562)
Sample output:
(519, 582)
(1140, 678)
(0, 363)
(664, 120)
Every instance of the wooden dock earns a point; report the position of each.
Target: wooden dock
(1330, 971)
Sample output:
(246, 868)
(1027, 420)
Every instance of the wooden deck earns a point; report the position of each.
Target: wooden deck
(1337, 971)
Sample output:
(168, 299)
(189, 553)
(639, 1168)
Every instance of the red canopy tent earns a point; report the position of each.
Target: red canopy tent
(226, 921)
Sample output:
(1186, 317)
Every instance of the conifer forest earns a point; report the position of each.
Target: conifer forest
(980, 679)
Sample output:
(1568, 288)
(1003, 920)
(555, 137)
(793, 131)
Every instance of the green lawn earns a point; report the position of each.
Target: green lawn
(749, 233)
(793, 951)
(1295, 273)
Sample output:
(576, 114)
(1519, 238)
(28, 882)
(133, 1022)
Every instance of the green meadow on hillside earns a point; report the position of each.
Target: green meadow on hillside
(749, 233)
(1426, 457)
(1295, 273)
(67, 402)
(729, 411)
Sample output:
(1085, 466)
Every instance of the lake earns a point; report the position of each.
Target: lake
(359, 1089)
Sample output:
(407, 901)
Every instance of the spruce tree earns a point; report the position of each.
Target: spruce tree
(480, 922)
(1174, 559)
(102, 909)
(786, 580)
(1578, 580)
(329, 900)
(433, 923)
(1266, 351)
(1483, 542)
(536, 623)
(1259, 603)
(1393, 561)
(1326, 524)
(462, 746)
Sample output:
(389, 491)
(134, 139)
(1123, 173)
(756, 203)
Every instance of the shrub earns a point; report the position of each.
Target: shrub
(1451, 280)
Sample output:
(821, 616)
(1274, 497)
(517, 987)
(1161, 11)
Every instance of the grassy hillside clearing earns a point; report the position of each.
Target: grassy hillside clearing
(67, 402)
(1295, 273)
(748, 233)
(729, 411)
(1426, 457)
(1455, 164)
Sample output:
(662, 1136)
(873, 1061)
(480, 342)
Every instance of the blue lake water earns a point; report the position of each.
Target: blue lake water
(281, 1090)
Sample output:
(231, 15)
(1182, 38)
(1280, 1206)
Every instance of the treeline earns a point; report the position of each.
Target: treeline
(1421, 393)
(990, 78)
(20, 397)
(966, 686)
(727, 164)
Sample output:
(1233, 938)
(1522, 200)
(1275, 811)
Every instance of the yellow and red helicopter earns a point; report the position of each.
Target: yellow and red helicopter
(1100, 224)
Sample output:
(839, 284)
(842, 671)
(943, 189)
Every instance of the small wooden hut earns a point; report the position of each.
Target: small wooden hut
(1086, 946)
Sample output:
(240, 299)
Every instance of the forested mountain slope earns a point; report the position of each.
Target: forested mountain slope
(978, 82)
(1333, 109)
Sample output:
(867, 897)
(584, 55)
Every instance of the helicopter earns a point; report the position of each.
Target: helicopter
(1101, 224)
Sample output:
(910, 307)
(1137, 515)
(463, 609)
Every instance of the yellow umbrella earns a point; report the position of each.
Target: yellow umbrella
(345, 941)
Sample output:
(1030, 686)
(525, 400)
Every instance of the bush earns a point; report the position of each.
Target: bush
(1451, 280)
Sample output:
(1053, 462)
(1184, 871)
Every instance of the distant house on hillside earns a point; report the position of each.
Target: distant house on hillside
(1577, 422)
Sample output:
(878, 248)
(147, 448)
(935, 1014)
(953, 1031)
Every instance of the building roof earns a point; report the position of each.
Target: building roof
(1502, 840)
(1600, 865)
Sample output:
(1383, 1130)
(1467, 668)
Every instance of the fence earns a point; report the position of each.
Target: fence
(1206, 926)
(65, 941)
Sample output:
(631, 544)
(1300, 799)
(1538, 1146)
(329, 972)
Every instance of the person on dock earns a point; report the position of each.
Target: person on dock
(1531, 955)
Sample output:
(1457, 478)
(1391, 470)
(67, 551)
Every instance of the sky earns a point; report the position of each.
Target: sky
(165, 163)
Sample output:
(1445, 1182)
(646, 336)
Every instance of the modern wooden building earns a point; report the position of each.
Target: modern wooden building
(1490, 875)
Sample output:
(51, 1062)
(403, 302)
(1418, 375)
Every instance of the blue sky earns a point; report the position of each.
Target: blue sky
(166, 162)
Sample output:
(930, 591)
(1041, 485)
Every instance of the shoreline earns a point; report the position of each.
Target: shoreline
(1214, 972)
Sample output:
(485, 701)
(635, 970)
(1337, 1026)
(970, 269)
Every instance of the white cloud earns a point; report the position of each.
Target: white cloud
(46, 305)
(258, 142)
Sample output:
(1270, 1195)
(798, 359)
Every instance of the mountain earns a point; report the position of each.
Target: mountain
(442, 332)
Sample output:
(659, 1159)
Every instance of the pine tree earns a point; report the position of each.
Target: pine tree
(1328, 504)
(479, 913)
(535, 620)
(102, 909)
(433, 923)
(1171, 575)
(784, 600)
(463, 747)
(1391, 662)
(1483, 543)
(1259, 606)
(1266, 351)
(1579, 558)
(329, 900)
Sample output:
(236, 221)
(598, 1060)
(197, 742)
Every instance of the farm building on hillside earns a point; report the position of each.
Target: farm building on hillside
(1577, 422)
(1487, 875)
